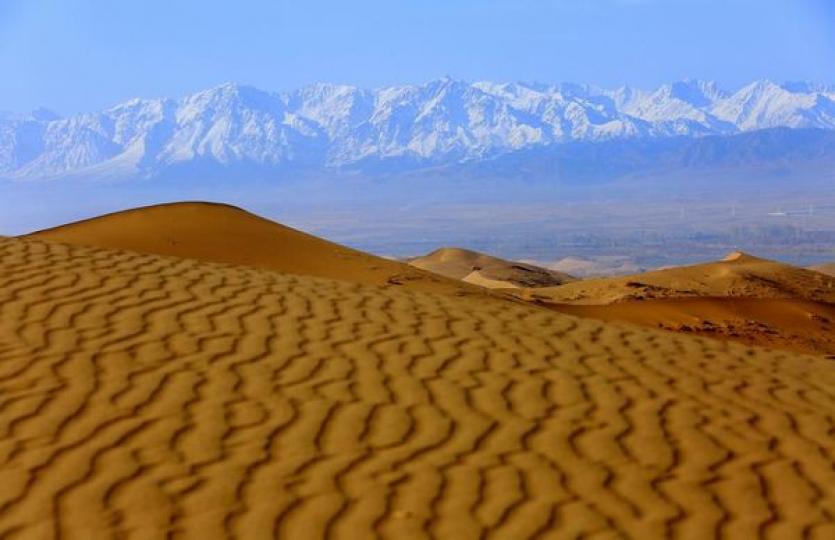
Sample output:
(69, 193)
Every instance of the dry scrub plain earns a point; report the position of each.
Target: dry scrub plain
(144, 396)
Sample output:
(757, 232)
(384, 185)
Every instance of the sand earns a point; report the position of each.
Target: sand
(741, 298)
(796, 325)
(144, 396)
(828, 269)
(599, 266)
(738, 275)
(487, 271)
(223, 233)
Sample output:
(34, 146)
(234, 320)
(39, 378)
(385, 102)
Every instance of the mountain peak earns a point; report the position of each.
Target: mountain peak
(230, 97)
(697, 93)
(444, 121)
(445, 84)
(44, 115)
(807, 87)
(234, 91)
(761, 86)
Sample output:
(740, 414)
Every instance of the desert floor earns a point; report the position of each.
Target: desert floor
(150, 396)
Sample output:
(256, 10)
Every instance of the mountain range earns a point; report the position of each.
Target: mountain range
(441, 123)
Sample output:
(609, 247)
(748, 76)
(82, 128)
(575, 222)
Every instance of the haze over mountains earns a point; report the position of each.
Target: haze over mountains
(241, 129)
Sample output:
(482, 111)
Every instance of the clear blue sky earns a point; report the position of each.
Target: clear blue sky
(80, 55)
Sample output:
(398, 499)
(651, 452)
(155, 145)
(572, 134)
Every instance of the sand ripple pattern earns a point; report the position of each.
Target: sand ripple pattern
(150, 397)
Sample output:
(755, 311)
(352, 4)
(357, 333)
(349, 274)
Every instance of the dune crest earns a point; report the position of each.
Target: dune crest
(488, 271)
(738, 275)
(742, 298)
(227, 234)
(739, 256)
(828, 269)
(154, 397)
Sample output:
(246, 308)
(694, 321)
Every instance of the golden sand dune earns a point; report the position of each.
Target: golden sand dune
(148, 397)
(828, 269)
(738, 275)
(741, 298)
(600, 266)
(487, 271)
(222, 233)
(797, 325)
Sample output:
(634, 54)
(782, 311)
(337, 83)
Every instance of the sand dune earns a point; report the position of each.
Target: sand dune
(740, 298)
(600, 266)
(828, 269)
(222, 233)
(738, 275)
(487, 271)
(797, 325)
(144, 396)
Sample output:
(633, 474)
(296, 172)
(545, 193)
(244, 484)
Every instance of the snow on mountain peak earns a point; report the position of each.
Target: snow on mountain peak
(695, 92)
(441, 121)
(42, 114)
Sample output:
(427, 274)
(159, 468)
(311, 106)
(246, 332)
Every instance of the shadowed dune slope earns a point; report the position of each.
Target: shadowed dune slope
(487, 271)
(153, 397)
(222, 233)
(741, 298)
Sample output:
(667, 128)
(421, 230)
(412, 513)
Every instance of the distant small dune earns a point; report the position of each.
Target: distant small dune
(741, 298)
(828, 268)
(487, 271)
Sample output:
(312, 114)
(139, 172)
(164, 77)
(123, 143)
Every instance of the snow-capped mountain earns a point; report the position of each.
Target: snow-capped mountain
(331, 126)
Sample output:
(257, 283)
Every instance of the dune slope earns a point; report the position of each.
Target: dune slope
(487, 271)
(741, 298)
(154, 397)
(828, 269)
(738, 275)
(797, 325)
(222, 233)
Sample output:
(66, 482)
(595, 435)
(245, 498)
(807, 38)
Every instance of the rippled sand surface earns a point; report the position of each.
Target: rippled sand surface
(144, 396)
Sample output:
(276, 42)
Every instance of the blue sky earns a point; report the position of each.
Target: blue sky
(79, 55)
